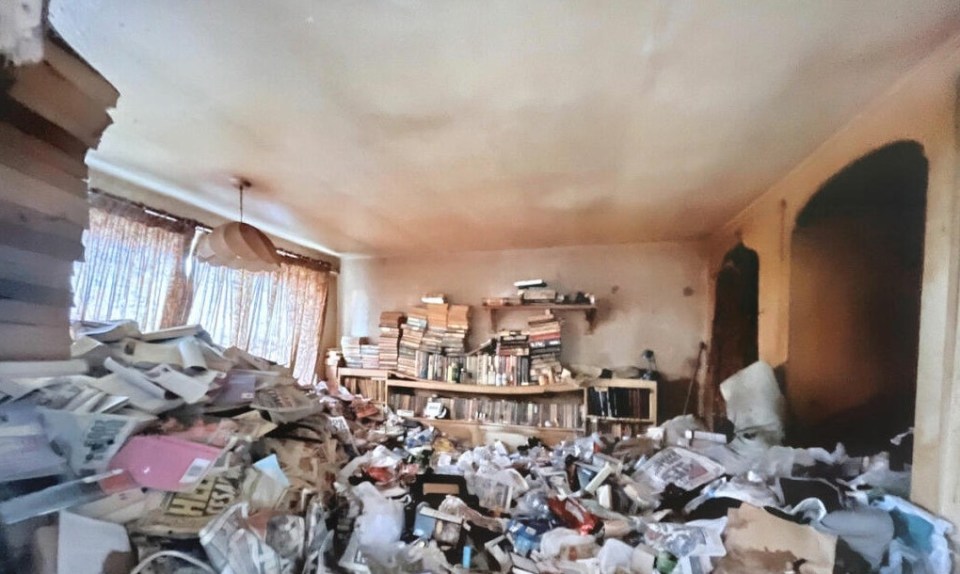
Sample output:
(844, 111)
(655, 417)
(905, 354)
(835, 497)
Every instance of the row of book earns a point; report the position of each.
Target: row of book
(437, 367)
(432, 342)
(389, 342)
(497, 370)
(497, 411)
(350, 347)
(544, 340)
(618, 402)
(373, 389)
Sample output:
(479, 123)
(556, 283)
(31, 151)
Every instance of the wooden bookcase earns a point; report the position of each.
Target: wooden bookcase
(386, 387)
(637, 411)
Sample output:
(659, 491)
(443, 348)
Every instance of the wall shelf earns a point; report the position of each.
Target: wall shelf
(384, 384)
(441, 386)
(589, 311)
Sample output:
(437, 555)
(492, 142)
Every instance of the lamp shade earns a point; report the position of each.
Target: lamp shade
(238, 246)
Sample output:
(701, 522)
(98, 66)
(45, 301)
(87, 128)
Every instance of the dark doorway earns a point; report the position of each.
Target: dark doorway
(734, 333)
(855, 279)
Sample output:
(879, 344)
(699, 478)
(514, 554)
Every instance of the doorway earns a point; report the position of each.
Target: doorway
(856, 267)
(735, 324)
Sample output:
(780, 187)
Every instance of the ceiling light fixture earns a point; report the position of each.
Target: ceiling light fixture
(238, 245)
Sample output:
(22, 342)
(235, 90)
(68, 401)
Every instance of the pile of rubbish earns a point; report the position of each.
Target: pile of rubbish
(162, 452)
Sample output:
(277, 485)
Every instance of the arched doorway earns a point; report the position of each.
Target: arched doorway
(735, 324)
(855, 267)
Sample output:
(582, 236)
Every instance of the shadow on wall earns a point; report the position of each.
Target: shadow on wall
(856, 267)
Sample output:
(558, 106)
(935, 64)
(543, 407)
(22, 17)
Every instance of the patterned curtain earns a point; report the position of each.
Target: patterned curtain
(276, 315)
(133, 266)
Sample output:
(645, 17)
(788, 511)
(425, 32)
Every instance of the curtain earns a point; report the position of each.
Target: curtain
(276, 315)
(133, 263)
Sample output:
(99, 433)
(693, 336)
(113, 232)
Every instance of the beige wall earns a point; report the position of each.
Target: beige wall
(920, 107)
(651, 295)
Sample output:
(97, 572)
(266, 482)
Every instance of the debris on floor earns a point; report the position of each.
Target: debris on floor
(162, 453)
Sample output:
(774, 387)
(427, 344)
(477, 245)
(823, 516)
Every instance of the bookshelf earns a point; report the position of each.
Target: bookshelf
(589, 311)
(484, 413)
(620, 406)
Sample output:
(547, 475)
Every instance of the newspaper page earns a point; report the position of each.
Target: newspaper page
(681, 467)
(183, 514)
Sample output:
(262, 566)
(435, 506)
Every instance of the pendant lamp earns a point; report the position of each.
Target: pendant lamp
(238, 245)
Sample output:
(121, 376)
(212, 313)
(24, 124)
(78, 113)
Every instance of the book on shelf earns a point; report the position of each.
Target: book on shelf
(529, 283)
(432, 342)
(373, 389)
(538, 295)
(502, 301)
(567, 415)
(351, 349)
(615, 402)
(369, 356)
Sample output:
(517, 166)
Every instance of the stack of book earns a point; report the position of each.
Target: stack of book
(389, 344)
(410, 339)
(513, 358)
(458, 324)
(544, 342)
(436, 328)
(350, 347)
(370, 356)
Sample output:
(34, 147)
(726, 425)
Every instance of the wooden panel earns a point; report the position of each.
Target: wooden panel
(27, 342)
(40, 88)
(35, 294)
(33, 268)
(41, 151)
(33, 314)
(20, 159)
(38, 222)
(80, 75)
(26, 191)
(23, 237)
(50, 114)
(29, 122)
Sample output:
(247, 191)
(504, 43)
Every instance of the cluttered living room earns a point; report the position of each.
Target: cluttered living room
(412, 286)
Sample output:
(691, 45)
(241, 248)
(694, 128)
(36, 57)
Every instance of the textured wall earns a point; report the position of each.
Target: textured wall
(651, 295)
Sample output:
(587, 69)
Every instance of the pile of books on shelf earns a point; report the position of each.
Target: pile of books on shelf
(458, 325)
(540, 294)
(544, 340)
(436, 328)
(432, 341)
(616, 402)
(350, 347)
(502, 361)
(373, 389)
(389, 342)
(410, 339)
(437, 367)
(370, 356)
(553, 414)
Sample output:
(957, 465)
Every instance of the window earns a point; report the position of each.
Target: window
(131, 262)
(135, 268)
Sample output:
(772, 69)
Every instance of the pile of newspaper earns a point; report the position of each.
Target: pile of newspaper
(163, 453)
(140, 441)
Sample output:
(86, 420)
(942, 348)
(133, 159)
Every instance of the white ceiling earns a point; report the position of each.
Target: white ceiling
(394, 126)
